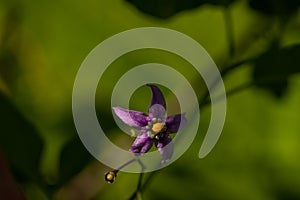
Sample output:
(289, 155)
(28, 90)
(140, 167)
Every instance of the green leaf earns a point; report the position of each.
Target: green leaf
(19, 141)
(167, 8)
(8, 67)
(74, 157)
(273, 68)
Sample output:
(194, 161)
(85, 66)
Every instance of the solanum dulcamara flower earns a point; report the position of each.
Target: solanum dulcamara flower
(154, 128)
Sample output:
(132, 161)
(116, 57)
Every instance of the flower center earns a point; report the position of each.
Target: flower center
(157, 127)
(154, 127)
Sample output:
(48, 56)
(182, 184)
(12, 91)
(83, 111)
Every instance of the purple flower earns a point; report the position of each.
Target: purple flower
(154, 127)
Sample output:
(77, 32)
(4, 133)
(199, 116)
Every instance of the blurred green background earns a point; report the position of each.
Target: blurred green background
(255, 45)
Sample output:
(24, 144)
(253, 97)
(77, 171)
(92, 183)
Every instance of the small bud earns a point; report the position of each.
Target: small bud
(110, 176)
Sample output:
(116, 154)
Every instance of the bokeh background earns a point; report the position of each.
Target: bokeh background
(255, 44)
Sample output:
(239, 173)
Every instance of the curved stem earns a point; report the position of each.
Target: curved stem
(125, 164)
(224, 72)
(231, 92)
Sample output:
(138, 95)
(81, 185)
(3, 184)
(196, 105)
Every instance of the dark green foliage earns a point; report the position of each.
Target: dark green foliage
(271, 7)
(74, 157)
(43, 43)
(8, 66)
(20, 142)
(273, 68)
(167, 8)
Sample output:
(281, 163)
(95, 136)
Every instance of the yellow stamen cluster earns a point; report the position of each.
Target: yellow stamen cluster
(154, 127)
(157, 127)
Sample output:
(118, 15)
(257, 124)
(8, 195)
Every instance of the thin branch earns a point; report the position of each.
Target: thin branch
(240, 88)
(125, 164)
(138, 192)
(149, 179)
(224, 72)
(140, 187)
(235, 65)
(231, 92)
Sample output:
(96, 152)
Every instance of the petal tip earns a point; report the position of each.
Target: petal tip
(149, 84)
(157, 96)
(115, 108)
(132, 118)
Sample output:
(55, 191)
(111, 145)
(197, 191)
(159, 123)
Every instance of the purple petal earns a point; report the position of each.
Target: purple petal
(157, 111)
(173, 122)
(165, 146)
(131, 118)
(142, 143)
(157, 96)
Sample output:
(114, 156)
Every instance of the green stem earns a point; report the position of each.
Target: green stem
(240, 88)
(125, 164)
(231, 92)
(138, 192)
(149, 178)
(224, 72)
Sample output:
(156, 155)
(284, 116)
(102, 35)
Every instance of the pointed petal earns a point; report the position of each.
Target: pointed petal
(131, 118)
(142, 143)
(157, 111)
(157, 96)
(165, 146)
(173, 122)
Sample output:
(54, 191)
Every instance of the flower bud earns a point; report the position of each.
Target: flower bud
(110, 176)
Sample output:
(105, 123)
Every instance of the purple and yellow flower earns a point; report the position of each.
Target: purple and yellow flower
(155, 128)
